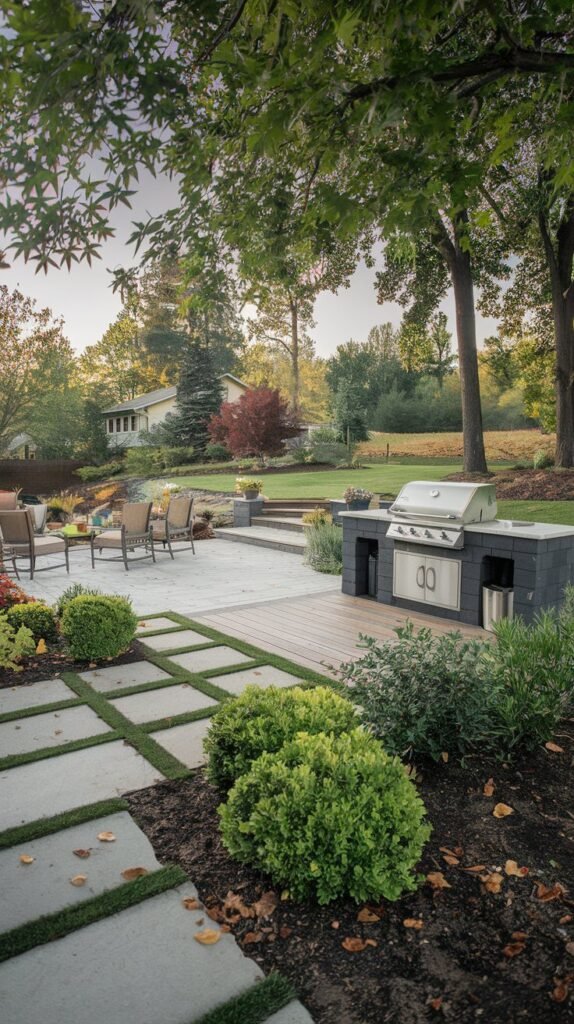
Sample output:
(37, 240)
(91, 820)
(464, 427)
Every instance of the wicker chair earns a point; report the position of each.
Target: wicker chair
(135, 532)
(177, 525)
(17, 540)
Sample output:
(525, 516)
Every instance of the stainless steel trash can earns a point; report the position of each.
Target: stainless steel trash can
(497, 604)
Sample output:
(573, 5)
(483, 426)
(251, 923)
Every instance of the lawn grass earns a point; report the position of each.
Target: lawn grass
(254, 1006)
(500, 445)
(538, 511)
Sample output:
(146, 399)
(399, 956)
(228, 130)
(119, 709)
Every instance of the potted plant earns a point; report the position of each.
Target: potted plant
(357, 498)
(248, 487)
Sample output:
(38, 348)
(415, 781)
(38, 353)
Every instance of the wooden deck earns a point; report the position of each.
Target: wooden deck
(321, 630)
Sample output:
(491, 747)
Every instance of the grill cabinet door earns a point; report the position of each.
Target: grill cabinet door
(409, 576)
(442, 582)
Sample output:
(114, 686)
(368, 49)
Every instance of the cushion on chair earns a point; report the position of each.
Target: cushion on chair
(48, 545)
(109, 539)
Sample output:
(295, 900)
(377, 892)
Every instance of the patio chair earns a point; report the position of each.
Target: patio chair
(135, 532)
(39, 515)
(177, 525)
(17, 540)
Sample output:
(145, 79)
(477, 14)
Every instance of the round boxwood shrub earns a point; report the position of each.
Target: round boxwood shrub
(98, 627)
(37, 617)
(74, 590)
(328, 816)
(262, 721)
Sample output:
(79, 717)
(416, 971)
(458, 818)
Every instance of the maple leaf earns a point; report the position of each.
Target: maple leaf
(266, 904)
(25, 858)
(413, 922)
(106, 837)
(130, 873)
(79, 880)
(489, 787)
(208, 937)
(81, 853)
(366, 916)
(437, 880)
(502, 810)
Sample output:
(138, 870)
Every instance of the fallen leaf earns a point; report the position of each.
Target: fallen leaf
(554, 747)
(285, 895)
(450, 859)
(58, 732)
(565, 919)
(475, 869)
(444, 756)
(366, 916)
(233, 904)
(413, 922)
(371, 942)
(354, 945)
(216, 914)
(436, 1004)
(190, 903)
(492, 882)
(81, 853)
(208, 937)
(106, 837)
(130, 873)
(437, 880)
(502, 811)
(511, 868)
(225, 928)
(489, 787)
(285, 932)
(335, 924)
(79, 880)
(200, 920)
(547, 893)
(569, 947)
(25, 858)
(513, 949)
(266, 904)
(519, 936)
(41, 647)
(451, 853)
(250, 937)
(561, 988)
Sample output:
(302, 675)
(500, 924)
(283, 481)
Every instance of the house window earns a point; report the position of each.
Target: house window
(118, 424)
(134, 423)
(110, 426)
(126, 423)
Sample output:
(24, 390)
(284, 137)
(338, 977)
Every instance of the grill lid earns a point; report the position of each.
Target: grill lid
(452, 502)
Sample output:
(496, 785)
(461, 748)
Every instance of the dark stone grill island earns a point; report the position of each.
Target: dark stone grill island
(533, 560)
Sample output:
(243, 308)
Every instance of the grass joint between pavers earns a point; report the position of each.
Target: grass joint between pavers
(67, 819)
(254, 1006)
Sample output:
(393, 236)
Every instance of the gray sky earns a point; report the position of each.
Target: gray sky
(83, 296)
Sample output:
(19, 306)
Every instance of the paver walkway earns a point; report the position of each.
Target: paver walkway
(127, 951)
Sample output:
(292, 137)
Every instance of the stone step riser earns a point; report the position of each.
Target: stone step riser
(280, 544)
(277, 524)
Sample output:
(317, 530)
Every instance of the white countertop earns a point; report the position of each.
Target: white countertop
(499, 527)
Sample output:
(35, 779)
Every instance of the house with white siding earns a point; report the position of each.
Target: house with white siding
(126, 422)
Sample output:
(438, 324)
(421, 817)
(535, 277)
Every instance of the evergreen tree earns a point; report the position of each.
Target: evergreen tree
(199, 397)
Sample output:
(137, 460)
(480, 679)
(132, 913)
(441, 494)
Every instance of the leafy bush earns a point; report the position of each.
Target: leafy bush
(39, 619)
(421, 694)
(218, 453)
(143, 460)
(542, 460)
(75, 590)
(317, 517)
(14, 644)
(330, 452)
(328, 816)
(299, 454)
(98, 627)
(324, 549)
(89, 473)
(261, 721)
(11, 594)
(246, 483)
(175, 456)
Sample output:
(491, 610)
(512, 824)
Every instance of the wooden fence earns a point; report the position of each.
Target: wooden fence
(39, 476)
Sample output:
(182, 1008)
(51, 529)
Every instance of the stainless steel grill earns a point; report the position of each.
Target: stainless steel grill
(432, 513)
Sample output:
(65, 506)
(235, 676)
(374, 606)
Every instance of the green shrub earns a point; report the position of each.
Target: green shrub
(143, 460)
(14, 644)
(421, 694)
(261, 721)
(89, 473)
(328, 816)
(98, 627)
(75, 590)
(217, 453)
(299, 454)
(330, 452)
(175, 456)
(39, 619)
(317, 517)
(324, 550)
(542, 460)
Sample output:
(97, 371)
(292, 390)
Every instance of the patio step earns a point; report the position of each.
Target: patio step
(295, 525)
(281, 540)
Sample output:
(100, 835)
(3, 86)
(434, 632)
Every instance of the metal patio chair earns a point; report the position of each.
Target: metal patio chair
(17, 540)
(177, 525)
(135, 532)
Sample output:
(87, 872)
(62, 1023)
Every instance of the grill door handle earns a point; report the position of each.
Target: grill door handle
(431, 586)
(421, 576)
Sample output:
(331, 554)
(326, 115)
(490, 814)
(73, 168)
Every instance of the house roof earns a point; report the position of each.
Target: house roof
(18, 441)
(153, 397)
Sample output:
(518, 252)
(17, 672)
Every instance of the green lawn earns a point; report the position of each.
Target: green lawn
(538, 511)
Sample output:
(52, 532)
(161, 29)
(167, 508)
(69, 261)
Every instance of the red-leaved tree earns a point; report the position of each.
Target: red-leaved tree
(258, 424)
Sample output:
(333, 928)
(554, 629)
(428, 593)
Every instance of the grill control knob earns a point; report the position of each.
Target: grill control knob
(428, 534)
(444, 535)
(413, 531)
(400, 529)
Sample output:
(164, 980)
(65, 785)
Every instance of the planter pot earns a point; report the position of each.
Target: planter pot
(358, 505)
(250, 495)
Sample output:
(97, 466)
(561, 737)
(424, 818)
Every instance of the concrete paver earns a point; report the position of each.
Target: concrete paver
(153, 625)
(52, 729)
(167, 641)
(264, 675)
(185, 741)
(142, 965)
(105, 680)
(46, 691)
(211, 657)
(27, 891)
(59, 783)
(293, 1013)
(169, 700)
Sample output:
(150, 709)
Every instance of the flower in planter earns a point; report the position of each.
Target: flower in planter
(357, 494)
(246, 485)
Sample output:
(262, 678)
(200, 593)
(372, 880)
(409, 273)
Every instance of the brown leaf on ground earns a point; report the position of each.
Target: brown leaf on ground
(190, 903)
(81, 853)
(436, 1003)
(513, 949)
(519, 936)
(233, 904)
(511, 868)
(335, 924)
(266, 904)
(78, 880)
(493, 881)
(450, 859)
(554, 747)
(251, 937)
(457, 852)
(25, 858)
(285, 932)
(208, 937)
(489, 787)
(475, 869)
(565, 919)
(569, 947)
(130, 873)
(413, 922)
(502, 810)
(547, 893)
(437, 880)
(366, 916)
(106, 837)
(444, 756)
(216, 914)
(561, 988)
(354, 945)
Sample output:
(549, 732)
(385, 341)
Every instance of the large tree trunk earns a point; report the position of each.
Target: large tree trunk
(559, 258)
(295, 383)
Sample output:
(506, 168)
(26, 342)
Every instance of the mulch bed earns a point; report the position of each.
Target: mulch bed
(526, 484)
(56, 660)
(479, 955)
